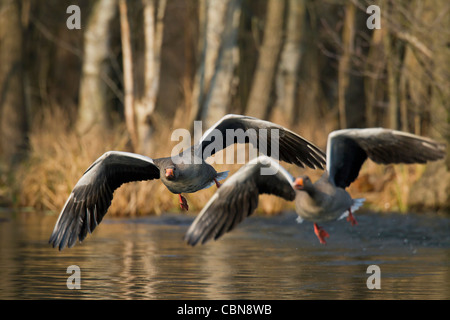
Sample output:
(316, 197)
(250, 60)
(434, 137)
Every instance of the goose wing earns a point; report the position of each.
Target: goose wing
(232, 128)
(237, 199)
(93, 193)
(347, 150)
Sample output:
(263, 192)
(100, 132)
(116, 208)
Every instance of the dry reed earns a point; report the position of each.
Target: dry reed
(59, 157)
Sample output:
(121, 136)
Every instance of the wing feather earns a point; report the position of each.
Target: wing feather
(348, 149)
(237, 199)
(92, 195)
(292, 148)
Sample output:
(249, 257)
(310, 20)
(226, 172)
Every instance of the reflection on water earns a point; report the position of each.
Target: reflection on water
(265, 258)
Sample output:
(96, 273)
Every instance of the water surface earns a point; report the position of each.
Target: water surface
(264, 258)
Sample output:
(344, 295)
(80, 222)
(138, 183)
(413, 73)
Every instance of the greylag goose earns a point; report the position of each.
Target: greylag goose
(92, 195)
(326, 199)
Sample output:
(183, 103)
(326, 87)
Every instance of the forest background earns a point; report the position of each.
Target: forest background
(133, 71)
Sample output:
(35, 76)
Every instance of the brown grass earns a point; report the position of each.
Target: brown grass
(59, 157)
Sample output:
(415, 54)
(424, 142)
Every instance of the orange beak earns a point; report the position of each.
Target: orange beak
(169, 173)
(298, 183)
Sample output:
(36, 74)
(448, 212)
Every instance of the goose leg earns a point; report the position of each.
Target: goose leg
(351, 218)
(320, 233)
(183, 203)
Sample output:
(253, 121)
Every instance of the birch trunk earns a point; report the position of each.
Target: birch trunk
(154, 12)
(127, 57)
(93, 110)
(199, 79)
(216, 42)
(224, 80)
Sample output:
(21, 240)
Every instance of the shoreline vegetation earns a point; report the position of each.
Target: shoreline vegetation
(58, 157)
(127, 73)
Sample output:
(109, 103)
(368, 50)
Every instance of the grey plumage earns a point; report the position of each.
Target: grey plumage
(237, 199)
(348, 149)
(324, 200)
(92, 195)
(292, 147)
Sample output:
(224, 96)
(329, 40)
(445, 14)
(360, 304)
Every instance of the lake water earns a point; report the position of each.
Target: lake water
(264, 258)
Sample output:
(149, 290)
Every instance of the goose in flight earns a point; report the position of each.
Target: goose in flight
(92, 195)
(324, 200)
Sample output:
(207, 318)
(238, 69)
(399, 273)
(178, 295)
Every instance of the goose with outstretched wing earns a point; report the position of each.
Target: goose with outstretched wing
(188, 172)
(324, 200)
(347, 150)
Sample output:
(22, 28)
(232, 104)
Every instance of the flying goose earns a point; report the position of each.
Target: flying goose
(326, 199)
(92, 195)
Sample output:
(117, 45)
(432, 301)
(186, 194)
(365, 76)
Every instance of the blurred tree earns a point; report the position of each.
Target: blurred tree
(94, 106)
(224, 81)
(392, 72)
(259, 100)
(317, 68)
(139, 108)
(13, 111)
(374, 71)
(426, 75)
(154, 12)
(348, 38)
(215, 78)
(289, 64)
(128, 75)
(317, 76)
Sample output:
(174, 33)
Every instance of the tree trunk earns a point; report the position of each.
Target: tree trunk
(391, 56)
(93, 108)
(287, 74)
(259, 98)
(128, 81)
(374, 72)
(348, 34)
(406, 83)
(224, 80)
(199, 79)
(13, 112)
(432, 190)
(216, 42)
(314, 103)
(153, 33)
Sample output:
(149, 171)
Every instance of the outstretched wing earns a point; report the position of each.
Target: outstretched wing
(237, 198)
(347, 150)
(93, 193)
(232, 128)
